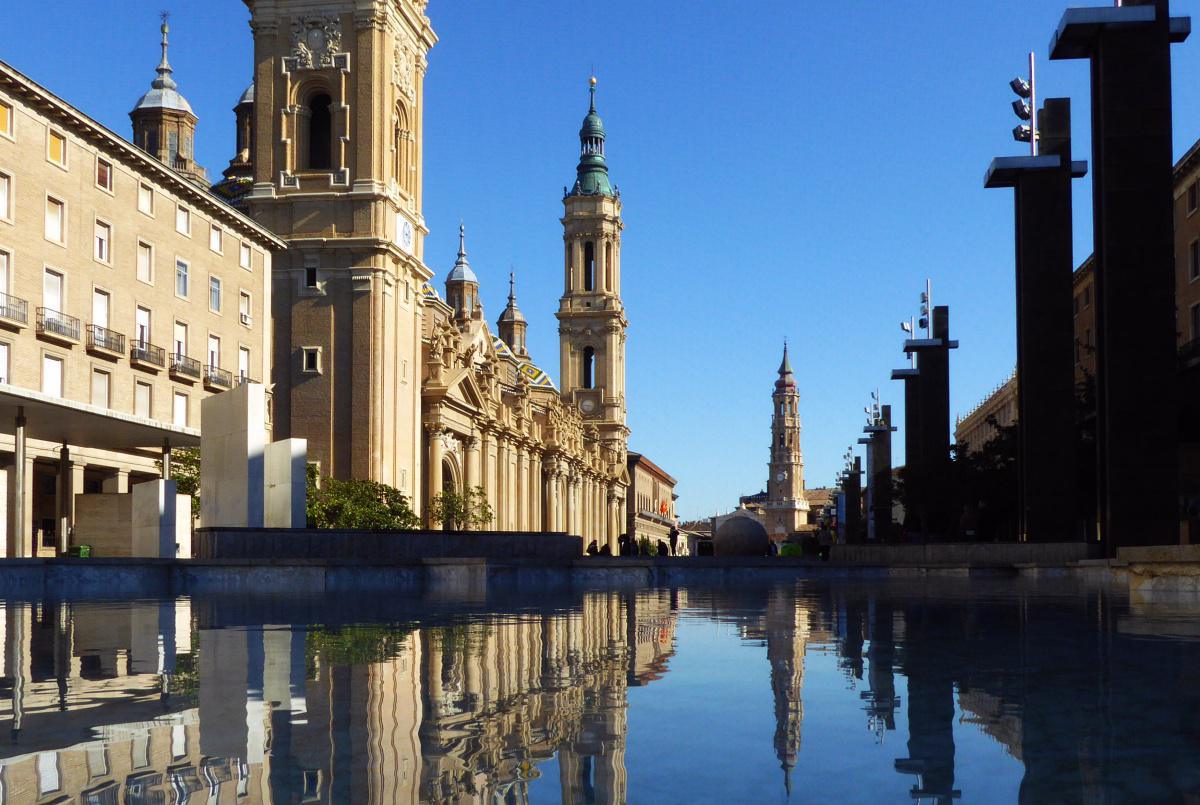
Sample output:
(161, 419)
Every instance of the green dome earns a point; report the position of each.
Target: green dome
(592, 172)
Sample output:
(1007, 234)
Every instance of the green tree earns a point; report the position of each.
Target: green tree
(185, 472)
(370, 505)
(462, 512)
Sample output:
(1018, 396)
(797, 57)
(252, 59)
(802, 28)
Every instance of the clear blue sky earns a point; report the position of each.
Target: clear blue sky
(787, 168)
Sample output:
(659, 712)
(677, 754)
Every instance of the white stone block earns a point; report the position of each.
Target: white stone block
(286, 463)
(233, 439)
(153, 520)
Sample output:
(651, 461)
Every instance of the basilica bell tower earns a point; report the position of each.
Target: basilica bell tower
(335, 151)
(591, 316)
(786, 508)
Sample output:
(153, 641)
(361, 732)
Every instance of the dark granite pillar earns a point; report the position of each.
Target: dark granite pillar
(1047, 434)
(913, 526)
(933, 381)
(852, 488)
(1129, 48)
(879, 476)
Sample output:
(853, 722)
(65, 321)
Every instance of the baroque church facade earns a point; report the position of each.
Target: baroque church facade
(388, 378)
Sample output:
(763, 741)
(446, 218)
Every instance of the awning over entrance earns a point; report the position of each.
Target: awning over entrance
(54, 419)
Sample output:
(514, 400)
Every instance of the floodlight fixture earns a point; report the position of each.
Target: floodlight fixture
(1021, 87)
(906, 326)
(1023, 134)
(1025, 107)
(1023, 110)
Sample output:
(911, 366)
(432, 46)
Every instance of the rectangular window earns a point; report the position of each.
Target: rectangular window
(311, 357)
(181, 278)
(100, 301)
(181, 338)
(183, 220)
(56, 148)
(1195, 322)
(104, 174)
(56, 219)
(4, 363)
(1193, 190)
(6, 119)
(214, 351)
(310, 277)
(141, 324)
(244, 308)
(179, 410)
(1194, 260)
(143, 395)
(52, 290)
(243, 362)
(214, 238)
(244, 256)
(52, 376)
(146, 199)
(103, 242)
(1087, 297)
(100, 380)
(5, 196)
(5, 258)
(145, 262)
(214, 294)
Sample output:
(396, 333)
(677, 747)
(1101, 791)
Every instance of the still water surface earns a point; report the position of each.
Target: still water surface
(984, 691)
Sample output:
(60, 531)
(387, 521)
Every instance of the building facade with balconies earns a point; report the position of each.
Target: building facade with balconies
(127, 294)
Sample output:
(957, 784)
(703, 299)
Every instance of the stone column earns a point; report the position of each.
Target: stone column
(434, 435)
(535, 490)
(471, 459)
(522, 506)
(548, 496)
(116, 483)
(486, 470)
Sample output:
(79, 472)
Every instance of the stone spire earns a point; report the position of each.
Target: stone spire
(786, 379)
(164, 124)
(591, 176)
(462, 286)
(512, 325)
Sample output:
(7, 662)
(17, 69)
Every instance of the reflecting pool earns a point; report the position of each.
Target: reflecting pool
(813, 691)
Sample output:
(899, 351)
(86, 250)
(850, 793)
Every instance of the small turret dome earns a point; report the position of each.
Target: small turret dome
(247, 96)
(164, 92)
(462, 269)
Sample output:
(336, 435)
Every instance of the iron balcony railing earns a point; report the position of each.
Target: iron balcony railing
(106, 339)
(145, 352)
(14, 309)
(184, 366)
(217, 377)
(52, 322)
(242, 380)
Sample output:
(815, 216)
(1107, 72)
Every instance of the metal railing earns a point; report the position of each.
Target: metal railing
(14, 309)
(104, 338)
(185, 366)
(52, 322)
(145, 352)
(217, 377)
(242, 380)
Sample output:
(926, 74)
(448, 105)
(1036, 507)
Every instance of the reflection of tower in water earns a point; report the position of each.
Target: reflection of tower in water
(787, 636)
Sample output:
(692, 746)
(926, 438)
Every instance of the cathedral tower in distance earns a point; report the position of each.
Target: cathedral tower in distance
(786, 508)
(591, 316)
(336, 153)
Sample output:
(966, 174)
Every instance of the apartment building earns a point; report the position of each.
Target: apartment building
(128, 293)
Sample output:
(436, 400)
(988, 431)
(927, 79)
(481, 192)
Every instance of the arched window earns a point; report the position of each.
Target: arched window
(402, 167)
(320, 132)
(589, 366)
(589, 266)
(608, 267)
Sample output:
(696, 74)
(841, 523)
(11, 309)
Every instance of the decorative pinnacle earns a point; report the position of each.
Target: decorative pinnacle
(462, 240)
(164, 80)
(512, 284)
(592, 90)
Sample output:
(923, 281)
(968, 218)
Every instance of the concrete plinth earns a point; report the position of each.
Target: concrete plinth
(286, 483)
(232, 445)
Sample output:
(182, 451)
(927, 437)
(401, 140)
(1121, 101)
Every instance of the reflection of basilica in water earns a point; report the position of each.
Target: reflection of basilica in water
(199, 701)
(105, 703)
